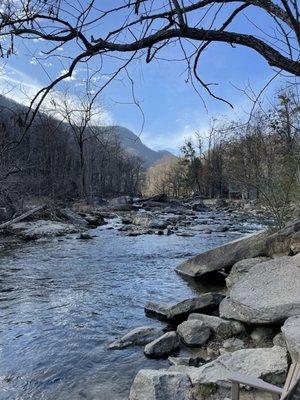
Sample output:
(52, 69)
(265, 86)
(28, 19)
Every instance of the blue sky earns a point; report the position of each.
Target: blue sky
(171, 107)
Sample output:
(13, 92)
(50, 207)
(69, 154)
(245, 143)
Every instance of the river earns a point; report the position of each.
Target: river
(63, 300)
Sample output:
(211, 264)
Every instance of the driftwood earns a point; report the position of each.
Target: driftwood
(21, 217)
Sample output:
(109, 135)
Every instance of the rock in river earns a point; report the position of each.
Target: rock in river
(179, 310)
(193, 333)
(42, 228)
(224, 256)
(269, 293)
(162, 346)
(291, 332)
(137, 337)
(160, 385)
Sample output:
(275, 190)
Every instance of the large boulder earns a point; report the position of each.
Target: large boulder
(167, 311)
(137, 337)
(269, 293)
(160, 385)
(223, 328)
(240, 269)
(193, 333)
(162, 346)
(291, 332)
(42, 228)
(199, 206)
(224, 256)
(269, 364)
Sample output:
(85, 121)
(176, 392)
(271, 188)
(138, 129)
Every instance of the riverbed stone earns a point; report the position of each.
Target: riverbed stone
(224, 256)
(223, 328)
(162, 346)
(233, 344)
(183, 308)
(269, 293)
(240, 269)
(160, 385)
(193, 333)
(291, 332)
(269, 364)
(42, 228)
(137, 337)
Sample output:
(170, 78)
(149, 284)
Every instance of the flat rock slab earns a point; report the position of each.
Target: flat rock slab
(223, 328)
(291, 332)
(137, 337)
(162, 346)
(167, 311)
(160, 385)
(42, 228)
(224, 256)
(269, 364)
(269, 293)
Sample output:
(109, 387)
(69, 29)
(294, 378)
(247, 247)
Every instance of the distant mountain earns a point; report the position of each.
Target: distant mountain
(130, 141)
(133, 143)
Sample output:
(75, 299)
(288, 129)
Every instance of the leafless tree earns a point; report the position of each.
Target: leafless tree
(124, 30)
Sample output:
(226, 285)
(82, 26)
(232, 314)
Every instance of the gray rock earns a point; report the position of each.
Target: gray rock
(72, 217)
(223, 328)
(261, 333)
(199, 206)
(185, 234)
(162, 346)
(188, 361)
(42, 228)
(233, 344)
(193, 332)
(269, 293)
(240, 269)
(169, 311)
(158, 224)
(224, 256)
(120, 201)
(291, 332)
(269, 364)
(85, 236)
(137, 337)
(160, 385)
(279, 340)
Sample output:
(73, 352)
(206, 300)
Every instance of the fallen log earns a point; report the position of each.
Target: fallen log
(21, 217)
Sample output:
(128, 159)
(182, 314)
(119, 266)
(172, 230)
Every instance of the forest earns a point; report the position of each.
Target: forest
(65, 157)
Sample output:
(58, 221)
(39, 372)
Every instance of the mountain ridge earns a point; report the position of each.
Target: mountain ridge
(130, 141)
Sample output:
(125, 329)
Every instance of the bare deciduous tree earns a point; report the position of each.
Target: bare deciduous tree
(124, 30)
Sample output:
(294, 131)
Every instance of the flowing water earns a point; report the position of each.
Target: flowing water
(63, 300)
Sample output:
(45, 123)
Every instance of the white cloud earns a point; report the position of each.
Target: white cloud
(21, 88)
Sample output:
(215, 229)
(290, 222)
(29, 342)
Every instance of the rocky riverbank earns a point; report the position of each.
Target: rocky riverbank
(252, 329)
(132, 217)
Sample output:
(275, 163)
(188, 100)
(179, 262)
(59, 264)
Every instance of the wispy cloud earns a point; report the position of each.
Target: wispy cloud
(21, 88)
